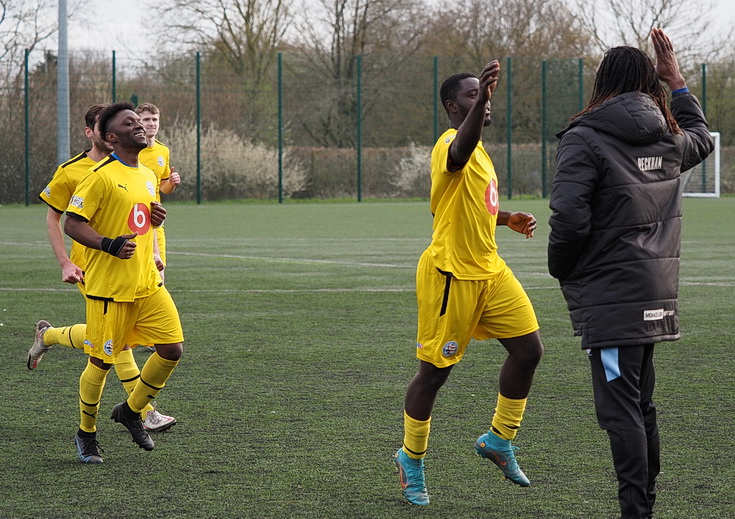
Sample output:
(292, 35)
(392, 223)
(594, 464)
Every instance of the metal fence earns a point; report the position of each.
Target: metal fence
(296, 128)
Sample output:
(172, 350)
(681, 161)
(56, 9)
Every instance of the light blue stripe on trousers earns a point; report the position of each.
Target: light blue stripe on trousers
(611, 363)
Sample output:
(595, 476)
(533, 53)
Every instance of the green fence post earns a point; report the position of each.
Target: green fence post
(280, 127)
(509, 125)
(543, 128)
(436, 98)
(359, 128)
(704, 111)
(704, 88)
(27, 124)
(199, 127)
(580, 84)
(114, 79)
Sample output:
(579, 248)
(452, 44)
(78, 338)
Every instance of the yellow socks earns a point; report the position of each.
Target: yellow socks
(69, 336)
(153, 377)
(415, 436)
(91, 384)
(128, 373)
(508, 417)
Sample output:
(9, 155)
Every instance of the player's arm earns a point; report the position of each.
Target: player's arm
(78, 229)
(70, 273)
(667, 66)
(520, 222)
(470, 131)
(158, 214)
(168, 185)
(698, 143)
(157, 252)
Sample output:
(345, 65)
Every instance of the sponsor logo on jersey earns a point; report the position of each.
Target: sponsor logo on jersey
(77, 201)
(450, 349)
(125, 187)
(139, 219)
(492, 198)
(108, 347)
(650, 163)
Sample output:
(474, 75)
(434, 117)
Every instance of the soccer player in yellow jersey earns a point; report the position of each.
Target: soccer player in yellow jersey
(56, 195)
(113, 212)
(58, 192)
(464, 288)
(157, 156)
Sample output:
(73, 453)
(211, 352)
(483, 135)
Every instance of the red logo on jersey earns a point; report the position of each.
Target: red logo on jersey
(491, 197)
(139, 219)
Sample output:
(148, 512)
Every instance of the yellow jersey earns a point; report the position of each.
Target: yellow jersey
(465, 206)
(58, 193)
(115, 199)
(157, 158)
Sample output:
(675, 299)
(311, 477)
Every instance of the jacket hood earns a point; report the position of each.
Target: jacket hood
(632, 117)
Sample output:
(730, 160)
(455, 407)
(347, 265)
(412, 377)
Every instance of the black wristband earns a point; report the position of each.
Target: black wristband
(113, 247)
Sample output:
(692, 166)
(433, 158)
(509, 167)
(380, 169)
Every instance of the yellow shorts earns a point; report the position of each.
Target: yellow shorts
(453, 311)
(149, 320)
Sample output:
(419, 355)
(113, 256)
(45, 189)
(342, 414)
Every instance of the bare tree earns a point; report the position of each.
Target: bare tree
(246, 33)
(244, 36)
(543, 28)
(23, 26)
(332, 34)
(629, 22)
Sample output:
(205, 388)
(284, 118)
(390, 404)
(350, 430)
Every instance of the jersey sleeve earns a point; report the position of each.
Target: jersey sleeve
(167, 166)
(440, 154)
(88, 196)
(58, 192)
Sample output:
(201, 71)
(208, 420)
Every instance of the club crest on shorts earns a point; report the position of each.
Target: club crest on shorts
(419, 346)
(450, 349)
(108, 347)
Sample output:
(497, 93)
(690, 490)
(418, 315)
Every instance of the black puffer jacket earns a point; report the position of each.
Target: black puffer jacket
(616, 217)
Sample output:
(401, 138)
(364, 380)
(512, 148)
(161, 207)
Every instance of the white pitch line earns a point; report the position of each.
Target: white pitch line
(314, 290)
(257, 290)
(292, 260)
(236, 291)
(708, 283)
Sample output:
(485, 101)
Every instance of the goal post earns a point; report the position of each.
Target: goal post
(704, 179)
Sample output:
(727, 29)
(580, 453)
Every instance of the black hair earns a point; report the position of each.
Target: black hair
(627, 69)
(109, 112)
(91, 116)
(450, 87)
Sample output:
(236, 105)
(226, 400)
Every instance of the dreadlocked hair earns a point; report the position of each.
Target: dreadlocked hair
(627, 69)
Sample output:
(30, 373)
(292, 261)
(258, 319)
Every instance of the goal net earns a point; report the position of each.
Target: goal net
(704, 179)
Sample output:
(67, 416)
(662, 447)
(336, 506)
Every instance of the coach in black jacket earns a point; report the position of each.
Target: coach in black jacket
(615, 241)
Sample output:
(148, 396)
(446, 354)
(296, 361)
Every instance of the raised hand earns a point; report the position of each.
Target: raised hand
(667, 66)
(489, 78)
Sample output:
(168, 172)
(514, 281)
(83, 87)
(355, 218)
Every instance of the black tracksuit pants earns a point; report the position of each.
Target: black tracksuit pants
(623, 380)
